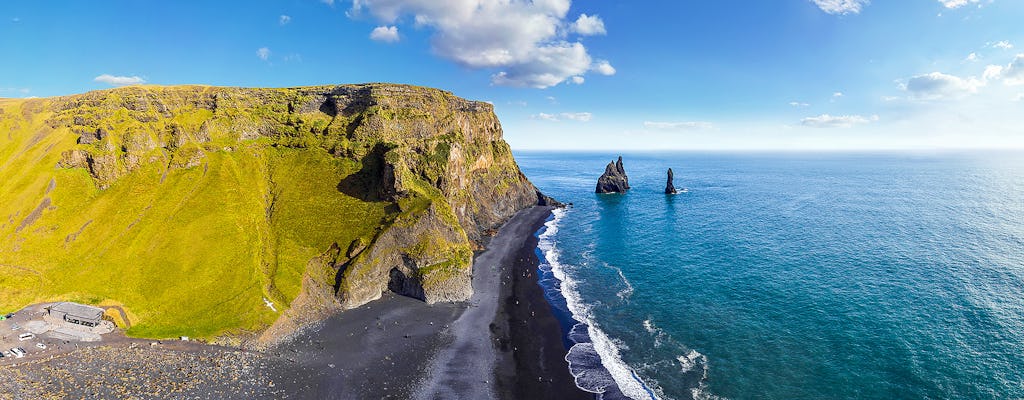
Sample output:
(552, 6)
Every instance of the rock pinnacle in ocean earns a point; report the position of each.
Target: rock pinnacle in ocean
(614, 179)
(669, 187)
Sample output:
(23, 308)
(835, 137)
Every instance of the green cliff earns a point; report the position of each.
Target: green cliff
(242, 214)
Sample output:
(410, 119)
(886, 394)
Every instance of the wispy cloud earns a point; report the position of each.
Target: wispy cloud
(1002, 44)
(841, 7)
(284, 20)
(577, 116)
(799, 104)
(386, 34)
(15, 90)
(263, 53)
(113, 80)
(937, 85)
(838, 121)
(678, 126)
(957, 3)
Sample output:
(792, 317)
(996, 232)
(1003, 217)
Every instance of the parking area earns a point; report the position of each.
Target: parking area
(25, 335)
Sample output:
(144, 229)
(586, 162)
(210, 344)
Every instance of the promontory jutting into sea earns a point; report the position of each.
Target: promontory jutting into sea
(512, 199)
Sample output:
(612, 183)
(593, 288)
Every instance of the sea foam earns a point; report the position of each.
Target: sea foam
(595, 357)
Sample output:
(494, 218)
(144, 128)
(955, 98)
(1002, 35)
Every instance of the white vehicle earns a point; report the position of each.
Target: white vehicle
(25, 336)
(41, 345)
(18, 352)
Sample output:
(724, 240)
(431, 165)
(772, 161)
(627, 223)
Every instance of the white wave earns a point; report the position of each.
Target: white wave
(691, 360)
(649, 326)
(604, 346)
(628, 290)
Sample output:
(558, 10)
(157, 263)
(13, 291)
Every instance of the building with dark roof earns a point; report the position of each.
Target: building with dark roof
(78, 314)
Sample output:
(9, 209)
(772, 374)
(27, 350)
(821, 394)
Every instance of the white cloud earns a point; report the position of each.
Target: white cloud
(386, 34)
(580, 116)
(1003, 44)
(678, 126)
(578, 80)
(841, 6)
(837, 94)
(1013, 74)
(957, 3)
(263, 53)
(589, 25)
(1018, 97)
(799, 104)
(604, 68)
(993, 72)
(937, 85)
(284, 20)
(119, 80)
(577, 116)
(839, 121)
(971, 57)
(528, 43)
(546, 117)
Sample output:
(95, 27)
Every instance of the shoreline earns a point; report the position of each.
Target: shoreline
(506, 343)
(536, 343)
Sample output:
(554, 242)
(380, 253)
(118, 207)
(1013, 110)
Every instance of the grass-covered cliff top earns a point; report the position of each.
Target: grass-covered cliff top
(197, 207)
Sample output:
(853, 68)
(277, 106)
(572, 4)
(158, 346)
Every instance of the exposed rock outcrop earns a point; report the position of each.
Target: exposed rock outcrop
(614, 179)
(669, 187)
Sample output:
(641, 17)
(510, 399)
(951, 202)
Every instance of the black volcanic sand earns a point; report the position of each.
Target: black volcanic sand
(530, 338)
(378, 351)
(504, 343)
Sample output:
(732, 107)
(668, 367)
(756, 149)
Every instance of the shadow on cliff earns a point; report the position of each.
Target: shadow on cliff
(368, 184)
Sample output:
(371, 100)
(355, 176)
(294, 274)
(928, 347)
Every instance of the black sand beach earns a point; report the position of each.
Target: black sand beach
(505, 343)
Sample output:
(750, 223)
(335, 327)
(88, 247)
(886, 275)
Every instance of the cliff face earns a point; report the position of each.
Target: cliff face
(255, 208)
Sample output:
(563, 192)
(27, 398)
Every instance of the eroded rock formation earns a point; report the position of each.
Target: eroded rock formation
(614, 179)
(669, 187)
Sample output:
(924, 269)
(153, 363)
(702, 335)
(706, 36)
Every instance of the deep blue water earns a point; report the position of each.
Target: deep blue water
(795, 276)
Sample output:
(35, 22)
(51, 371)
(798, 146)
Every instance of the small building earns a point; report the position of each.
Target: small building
(78, 314)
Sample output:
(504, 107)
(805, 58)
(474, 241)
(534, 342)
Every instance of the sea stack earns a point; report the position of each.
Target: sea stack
(614, 179)
(669, 187)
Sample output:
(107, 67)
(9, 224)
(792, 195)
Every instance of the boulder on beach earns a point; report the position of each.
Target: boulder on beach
(669, 187)
(614, 179)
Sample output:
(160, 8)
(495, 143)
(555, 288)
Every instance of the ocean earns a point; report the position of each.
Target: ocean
(790, 275)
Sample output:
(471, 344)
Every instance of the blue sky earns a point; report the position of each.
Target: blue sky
(562, 74)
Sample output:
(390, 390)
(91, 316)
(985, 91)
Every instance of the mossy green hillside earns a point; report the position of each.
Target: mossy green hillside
(194, 206)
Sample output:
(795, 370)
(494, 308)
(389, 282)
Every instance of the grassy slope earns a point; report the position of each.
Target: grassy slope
(206, 276)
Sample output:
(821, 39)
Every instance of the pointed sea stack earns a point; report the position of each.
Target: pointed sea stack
(669, 187)
(614, 179)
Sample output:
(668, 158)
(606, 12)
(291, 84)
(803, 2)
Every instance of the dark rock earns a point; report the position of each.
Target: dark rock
(669, 187)
(614, 179)
(90, 137)
(547, 201)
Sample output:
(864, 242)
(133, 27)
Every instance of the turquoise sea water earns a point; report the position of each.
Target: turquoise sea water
(793, 276)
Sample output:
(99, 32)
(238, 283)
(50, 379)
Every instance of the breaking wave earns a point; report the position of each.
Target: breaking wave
(594, 360)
